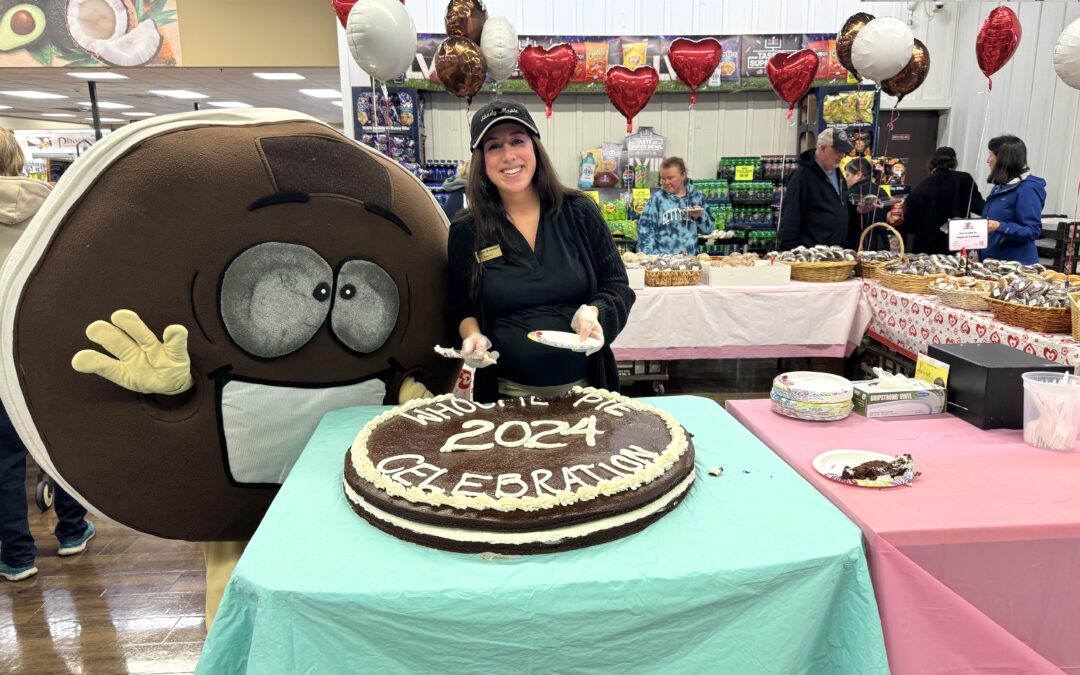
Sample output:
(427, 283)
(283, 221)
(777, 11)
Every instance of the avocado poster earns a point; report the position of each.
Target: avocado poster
(88, 33)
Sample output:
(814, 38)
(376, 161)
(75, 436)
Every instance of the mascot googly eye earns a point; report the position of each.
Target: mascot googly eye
(196, 293)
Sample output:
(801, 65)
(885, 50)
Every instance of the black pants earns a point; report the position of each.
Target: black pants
(18, 544)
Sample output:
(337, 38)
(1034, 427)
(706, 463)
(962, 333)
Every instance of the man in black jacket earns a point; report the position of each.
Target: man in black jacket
(946, 193)
(813, 211)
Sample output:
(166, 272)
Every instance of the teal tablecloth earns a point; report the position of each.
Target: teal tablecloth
(754, 573)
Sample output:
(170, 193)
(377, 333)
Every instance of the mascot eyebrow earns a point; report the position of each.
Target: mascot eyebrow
(301, 166)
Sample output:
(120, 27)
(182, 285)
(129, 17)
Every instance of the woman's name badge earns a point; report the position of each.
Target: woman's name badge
(489, 253)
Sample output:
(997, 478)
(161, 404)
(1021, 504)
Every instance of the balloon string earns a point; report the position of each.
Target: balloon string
(982, 134)
(895, 115)
(386, 100)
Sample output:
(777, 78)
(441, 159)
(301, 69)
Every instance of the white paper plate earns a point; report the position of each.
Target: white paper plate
(831, 465)
(812, 387)
(564, 340)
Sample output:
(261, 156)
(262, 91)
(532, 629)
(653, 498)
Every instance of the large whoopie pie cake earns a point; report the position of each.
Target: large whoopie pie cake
(523, 475)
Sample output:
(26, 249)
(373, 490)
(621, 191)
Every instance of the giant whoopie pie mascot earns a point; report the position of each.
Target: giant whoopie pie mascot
(241, 274)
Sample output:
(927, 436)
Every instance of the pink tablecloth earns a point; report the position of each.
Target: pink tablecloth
(976, 565)
(705, 322)
(909, 322)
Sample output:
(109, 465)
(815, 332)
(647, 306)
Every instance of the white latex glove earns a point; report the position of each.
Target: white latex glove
(586, 323)
(143, 363)
(888, 380)
(474, 349)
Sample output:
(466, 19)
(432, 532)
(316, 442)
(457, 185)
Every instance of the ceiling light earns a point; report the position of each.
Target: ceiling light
(279, 76)
(106, 105)
(178, 93)
(99, 75)
(104, 119)
(138, 114)
(337, 103)
(321, 93)
(32, 94)
(228, 104)
(5, 107)
(57, 115)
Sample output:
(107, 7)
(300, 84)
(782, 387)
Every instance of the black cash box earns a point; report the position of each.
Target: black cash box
(985, 384)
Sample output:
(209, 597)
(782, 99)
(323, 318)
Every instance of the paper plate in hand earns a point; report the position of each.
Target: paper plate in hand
(564, 340)
(812, 387)
(831, 465)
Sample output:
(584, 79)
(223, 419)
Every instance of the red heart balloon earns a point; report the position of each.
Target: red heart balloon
(548, 71)
(791, 75)
(997, 41)
(629, 90)
(694, 61)
(343, 7)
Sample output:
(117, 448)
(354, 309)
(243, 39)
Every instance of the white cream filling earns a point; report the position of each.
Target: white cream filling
(367, 471)
(525, 538)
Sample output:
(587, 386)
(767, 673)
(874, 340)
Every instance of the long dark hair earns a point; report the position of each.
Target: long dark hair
(488, 213)
(1010, 159)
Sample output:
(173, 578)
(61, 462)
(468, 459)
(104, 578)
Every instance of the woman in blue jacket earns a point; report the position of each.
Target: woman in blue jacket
(1014, 207)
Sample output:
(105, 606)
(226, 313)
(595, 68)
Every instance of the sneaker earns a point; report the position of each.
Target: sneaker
(17, 573)
(77, 545)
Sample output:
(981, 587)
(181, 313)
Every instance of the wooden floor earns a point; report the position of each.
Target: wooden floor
(133, 603)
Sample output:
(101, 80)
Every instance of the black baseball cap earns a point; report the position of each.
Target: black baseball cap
(837, 139)
(497, 112)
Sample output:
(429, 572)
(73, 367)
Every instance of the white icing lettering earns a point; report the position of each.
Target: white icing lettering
(484, 406)
(506, 426)
(445, 411)
(625, 463)
(381, 467)
(641, 454)
(535, 401)
(480, 426)
(427, 484)
(616, 409)
(540, 478)
(589, 398)
(462, 405)
(502, 402)
(521, 399)
(467, 481)
(587, 470)
(610, 470)
(510, 479)
(420, 471)
(422, 417)
(558, 427)
(587, 427)
(570, 479)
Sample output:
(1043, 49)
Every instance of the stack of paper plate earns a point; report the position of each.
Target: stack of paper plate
(807, 395)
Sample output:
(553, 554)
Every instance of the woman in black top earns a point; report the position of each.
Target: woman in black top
(944, 194)
(863, 212)
(529, 254)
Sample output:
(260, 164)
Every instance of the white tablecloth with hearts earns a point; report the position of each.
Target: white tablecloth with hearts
(909, 322)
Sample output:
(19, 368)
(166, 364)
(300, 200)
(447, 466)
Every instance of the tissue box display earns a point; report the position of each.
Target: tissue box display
(871, 399)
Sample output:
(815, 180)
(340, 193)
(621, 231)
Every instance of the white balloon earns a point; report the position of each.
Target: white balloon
(381, 37)
(1067, 55)
(499, 45)
(882, 48)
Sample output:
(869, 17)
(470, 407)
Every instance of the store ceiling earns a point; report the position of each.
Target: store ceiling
(219, 84)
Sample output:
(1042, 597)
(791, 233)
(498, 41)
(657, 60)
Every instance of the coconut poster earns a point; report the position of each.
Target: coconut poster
(87, 33)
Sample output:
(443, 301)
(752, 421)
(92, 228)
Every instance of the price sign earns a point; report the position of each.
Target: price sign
(968, 233)
(744, 172)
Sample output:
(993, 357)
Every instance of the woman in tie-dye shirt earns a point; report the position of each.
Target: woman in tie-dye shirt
(675, 215)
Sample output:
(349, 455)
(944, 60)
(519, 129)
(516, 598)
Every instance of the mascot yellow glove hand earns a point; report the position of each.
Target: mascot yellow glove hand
(411, 389)
(143, 363)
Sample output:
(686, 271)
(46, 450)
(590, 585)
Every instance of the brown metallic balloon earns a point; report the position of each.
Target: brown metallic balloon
(465, 18)
(461, 67)
(846, 37)
(911, 77)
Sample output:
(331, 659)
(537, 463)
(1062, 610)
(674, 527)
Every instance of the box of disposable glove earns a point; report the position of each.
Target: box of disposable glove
(900, 398)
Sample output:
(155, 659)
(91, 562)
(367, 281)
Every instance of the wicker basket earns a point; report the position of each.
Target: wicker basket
(962, 299)
(1040, 319)
(672, 277)
(870, 269)
(1074, 302)
(824, 271)
(908, 283)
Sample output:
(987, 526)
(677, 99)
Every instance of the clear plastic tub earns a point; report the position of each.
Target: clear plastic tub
(1051, 410)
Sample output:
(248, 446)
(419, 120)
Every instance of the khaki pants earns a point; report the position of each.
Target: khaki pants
(221, 558)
